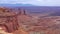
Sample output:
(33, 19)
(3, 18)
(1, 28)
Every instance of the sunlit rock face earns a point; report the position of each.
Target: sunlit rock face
(2, 31)
(8, 19)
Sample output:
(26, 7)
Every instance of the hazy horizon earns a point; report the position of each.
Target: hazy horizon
(33, 2)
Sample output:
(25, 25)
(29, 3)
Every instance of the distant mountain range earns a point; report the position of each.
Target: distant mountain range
(14, 5)
(32, 9)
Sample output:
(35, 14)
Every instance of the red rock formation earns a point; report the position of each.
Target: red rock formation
(11, 23)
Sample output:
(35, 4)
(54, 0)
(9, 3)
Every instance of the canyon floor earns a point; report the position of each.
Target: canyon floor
(37, 25)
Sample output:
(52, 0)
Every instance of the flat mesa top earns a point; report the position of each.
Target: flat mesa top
(6, 12)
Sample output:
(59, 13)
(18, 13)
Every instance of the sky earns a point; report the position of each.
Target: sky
(33, 2)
